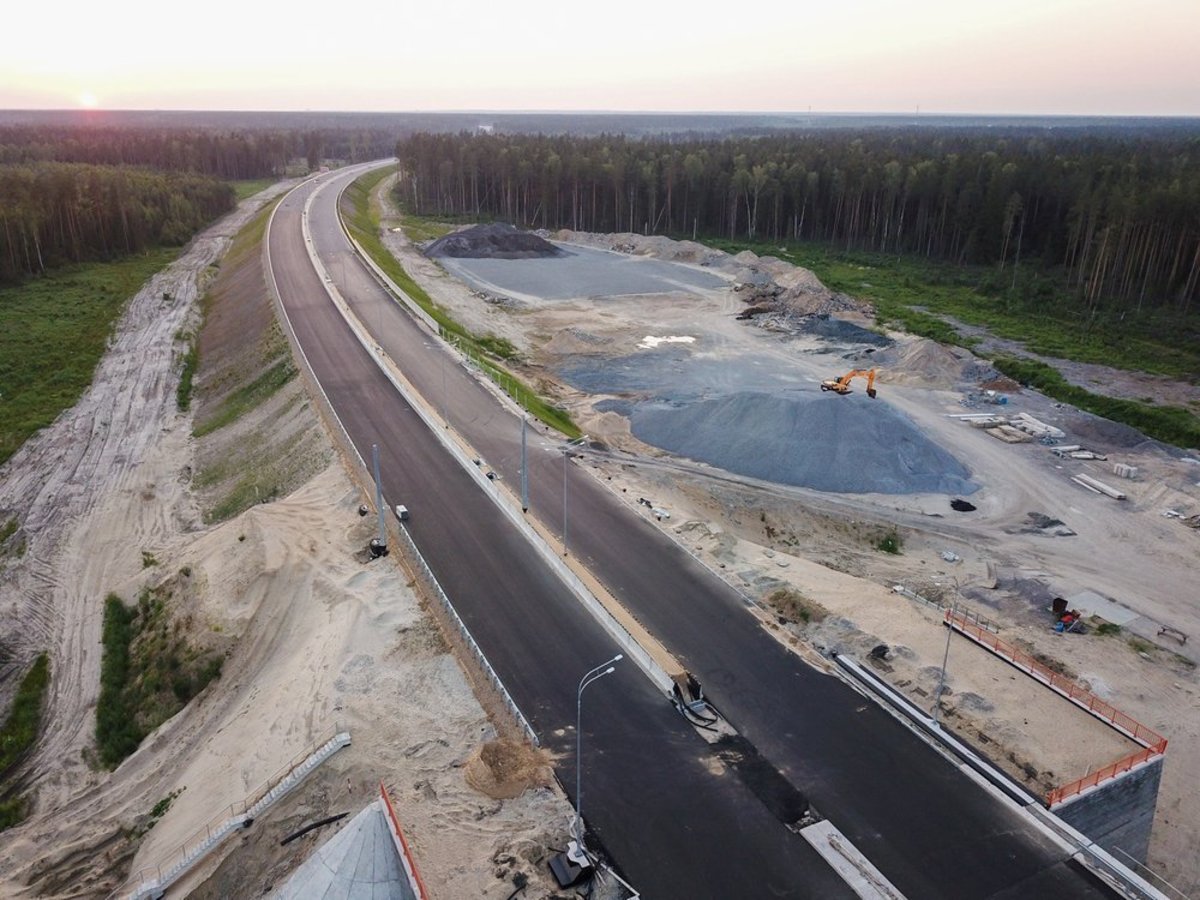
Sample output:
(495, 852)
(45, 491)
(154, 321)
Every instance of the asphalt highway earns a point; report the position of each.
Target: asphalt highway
(675, 826)
(927, 827)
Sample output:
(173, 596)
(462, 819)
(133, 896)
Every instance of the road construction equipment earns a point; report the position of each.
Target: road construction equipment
(842, 385)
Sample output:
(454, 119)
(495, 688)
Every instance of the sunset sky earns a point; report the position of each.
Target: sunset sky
(1085, 57)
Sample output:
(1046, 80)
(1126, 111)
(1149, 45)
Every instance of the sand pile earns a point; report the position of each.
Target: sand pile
(494, 241)
(925, 363)
(656, 246)
(503, 769)
(829, 443)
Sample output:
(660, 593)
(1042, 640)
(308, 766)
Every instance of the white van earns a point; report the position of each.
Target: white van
(401, 512)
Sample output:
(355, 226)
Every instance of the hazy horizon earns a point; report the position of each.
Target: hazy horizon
(862, 57)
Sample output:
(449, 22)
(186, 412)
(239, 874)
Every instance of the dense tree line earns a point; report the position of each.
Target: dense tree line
(228, 154)
(1119, 212)
(55, 213)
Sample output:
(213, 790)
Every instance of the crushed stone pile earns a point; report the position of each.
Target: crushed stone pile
(837, 444)
(767, 284)
(925, 363)
(493, 241)
(840, 330)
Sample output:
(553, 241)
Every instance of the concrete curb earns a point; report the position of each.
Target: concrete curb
(1072, 842)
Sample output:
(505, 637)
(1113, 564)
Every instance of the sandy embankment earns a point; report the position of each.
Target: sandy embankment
(319, 639)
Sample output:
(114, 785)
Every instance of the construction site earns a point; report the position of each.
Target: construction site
(865, 487)
(1015, 571)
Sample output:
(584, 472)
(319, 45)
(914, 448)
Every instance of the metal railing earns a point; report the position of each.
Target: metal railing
(148, 881)
(1153, 743)
(971, 615)
(1154, 877)
(431, 583)
(406, 857)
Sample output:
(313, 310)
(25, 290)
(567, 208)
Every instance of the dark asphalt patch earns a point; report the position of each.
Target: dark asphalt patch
(766, 782)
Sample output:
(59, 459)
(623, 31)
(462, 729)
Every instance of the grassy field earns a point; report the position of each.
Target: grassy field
(53, 332)
(488, 351)
(148, 671)
(244, 189)
(20, 730)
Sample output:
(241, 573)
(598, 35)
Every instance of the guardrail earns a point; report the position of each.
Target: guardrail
(406, 857)
(431, 584)
(1153, 743)
(971, 615)
(152, 881)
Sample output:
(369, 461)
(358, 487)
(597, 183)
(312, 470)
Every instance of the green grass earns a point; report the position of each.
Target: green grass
(362, 220)
(117, 734)
(8, 529)
(12, 812)
(250, 187)
(427, 228)
(148, 672)
(191, 362)
(1170, 424)
(248, 397)
(53, 332)
(20, 729)
(890, 543)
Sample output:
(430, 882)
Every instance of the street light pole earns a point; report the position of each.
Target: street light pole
(592, 675)
(566, 452)
(937, 697)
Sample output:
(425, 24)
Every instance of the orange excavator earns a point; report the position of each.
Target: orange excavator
(842, 385)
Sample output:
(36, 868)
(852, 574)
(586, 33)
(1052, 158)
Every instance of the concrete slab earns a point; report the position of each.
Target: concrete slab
(856, 870)
(1092, 604)
(357, 863)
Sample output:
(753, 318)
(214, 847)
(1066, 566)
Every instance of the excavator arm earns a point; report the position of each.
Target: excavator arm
(842, 385)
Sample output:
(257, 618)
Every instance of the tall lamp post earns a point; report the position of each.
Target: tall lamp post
(605, 668)
(566, 452)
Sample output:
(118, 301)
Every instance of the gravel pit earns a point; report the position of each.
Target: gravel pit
(835, 444)
(579, 272)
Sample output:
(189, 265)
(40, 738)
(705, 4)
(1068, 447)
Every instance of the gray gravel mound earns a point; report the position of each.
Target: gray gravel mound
(494, 241)
(838, 444)
(841, 330)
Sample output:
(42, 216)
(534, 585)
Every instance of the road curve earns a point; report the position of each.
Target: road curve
(654, 791)
(920, 821)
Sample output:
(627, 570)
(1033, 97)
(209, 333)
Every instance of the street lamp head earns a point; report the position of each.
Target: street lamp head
(610, 670)
(618, 657)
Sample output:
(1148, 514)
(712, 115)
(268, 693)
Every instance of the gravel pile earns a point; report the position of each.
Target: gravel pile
(838, 444)
(493, 241)
(841, 330)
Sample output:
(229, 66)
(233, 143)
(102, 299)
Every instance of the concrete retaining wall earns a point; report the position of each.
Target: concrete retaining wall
(1118, 814)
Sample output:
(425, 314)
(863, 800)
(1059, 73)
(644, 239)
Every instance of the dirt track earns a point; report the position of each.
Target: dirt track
(320, 641)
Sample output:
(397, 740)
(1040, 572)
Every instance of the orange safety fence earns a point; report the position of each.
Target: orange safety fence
(1153, 743)
(410, 864)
